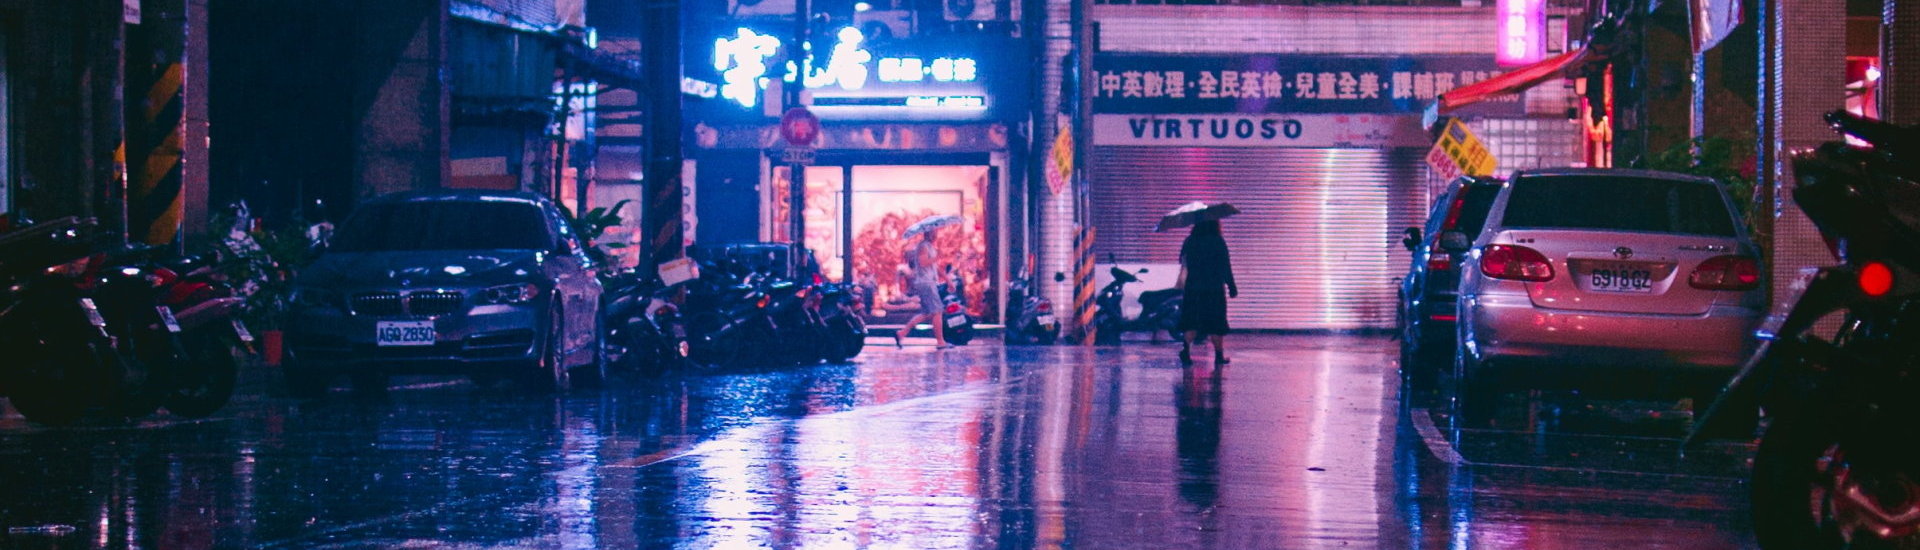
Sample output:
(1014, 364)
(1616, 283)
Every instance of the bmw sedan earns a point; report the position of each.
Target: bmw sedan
(487, 285)
(1606, 280)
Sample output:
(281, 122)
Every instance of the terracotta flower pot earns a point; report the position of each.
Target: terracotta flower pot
(271, 342)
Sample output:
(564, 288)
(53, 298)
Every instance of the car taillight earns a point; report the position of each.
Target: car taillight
(1438, 259)
(1517, 263)
(953, 308)
(1726, 273)
(1876, 279)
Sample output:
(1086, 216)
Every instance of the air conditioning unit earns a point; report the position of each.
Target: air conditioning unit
(760, 8)
(972, 10)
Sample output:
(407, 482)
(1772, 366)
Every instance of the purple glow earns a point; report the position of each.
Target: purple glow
(1522, 27)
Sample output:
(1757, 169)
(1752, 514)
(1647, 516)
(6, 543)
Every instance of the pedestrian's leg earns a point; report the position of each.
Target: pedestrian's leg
(939, 321)
(1220, 348)
(1186, 348)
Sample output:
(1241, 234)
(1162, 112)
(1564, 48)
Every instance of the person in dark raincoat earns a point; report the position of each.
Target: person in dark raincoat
(1206, 278)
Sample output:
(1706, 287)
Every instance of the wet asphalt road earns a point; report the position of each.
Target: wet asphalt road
(1303, 442)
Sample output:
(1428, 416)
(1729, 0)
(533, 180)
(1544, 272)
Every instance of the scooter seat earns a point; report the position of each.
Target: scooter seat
(1154, 298)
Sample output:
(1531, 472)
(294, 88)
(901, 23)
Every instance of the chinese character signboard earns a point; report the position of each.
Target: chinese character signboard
(1460, 153)
(1522, 31)
(1288, 84)
(852, 78)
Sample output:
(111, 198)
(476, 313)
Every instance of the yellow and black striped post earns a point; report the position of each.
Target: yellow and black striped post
(1083, 305)
(156, 74)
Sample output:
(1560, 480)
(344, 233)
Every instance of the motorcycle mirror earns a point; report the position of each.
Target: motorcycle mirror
(1412, 240)
(1059, 277)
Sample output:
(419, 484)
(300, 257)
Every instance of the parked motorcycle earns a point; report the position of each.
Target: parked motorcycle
(644, 335)
(726, 319)
(839, 309)
(1838, 464)
(959, 324)
(1159, 310)
(61, 359)
(1030, 320)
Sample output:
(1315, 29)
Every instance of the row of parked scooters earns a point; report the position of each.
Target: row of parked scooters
(91, 326)
(729, 314)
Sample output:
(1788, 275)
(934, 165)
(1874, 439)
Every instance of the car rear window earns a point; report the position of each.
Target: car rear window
(444, 225)
(1473, 210)
(1619, 204)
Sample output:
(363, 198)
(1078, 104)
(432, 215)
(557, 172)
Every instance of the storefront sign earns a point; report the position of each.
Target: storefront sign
(1460, 153)
(1522, 30)
(1287, 83)
(852, 78)
(1313, 130)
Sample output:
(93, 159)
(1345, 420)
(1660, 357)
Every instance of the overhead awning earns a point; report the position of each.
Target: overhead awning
(1511, 82)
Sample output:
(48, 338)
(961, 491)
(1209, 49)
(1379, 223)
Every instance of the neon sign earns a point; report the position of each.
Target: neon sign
(1522, 27)
(744, 63)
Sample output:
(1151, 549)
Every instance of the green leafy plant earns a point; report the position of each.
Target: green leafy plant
(594, 224)
(1717, 157)
(259, 262)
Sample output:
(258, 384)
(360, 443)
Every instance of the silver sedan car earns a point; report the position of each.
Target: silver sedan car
(1605, 280)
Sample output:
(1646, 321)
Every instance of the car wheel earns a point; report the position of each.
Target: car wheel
(549, 373)
(594, 373)
(1474, 401)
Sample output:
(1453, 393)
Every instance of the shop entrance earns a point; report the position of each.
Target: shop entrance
(856, 213)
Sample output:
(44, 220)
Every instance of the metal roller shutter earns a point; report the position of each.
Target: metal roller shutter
(1316, 246)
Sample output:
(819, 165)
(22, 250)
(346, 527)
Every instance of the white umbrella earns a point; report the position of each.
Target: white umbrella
(1195, 212)
(929, 224)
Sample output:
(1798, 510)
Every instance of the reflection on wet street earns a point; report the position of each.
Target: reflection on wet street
(1303, 442)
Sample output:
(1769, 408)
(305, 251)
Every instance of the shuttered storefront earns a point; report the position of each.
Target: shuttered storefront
(1316, 246)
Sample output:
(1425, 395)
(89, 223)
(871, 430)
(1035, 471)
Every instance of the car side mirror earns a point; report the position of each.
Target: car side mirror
(1412, 239)
(1455, 241)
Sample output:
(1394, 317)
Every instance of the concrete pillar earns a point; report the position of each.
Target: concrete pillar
(401, 140)
(1900, 62)
(1806, 54)
(1057, 214)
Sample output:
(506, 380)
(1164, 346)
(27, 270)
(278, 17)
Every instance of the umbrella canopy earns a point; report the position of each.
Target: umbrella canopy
(1194, 212)
(929, 224)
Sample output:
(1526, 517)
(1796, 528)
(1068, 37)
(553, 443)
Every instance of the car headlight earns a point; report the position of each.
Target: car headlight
(316, 297)
(517, 293)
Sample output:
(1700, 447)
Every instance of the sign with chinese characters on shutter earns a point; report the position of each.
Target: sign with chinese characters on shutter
(1142, 84)
(1460, 153)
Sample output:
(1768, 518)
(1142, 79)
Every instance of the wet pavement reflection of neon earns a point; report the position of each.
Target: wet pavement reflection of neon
(1303, 442)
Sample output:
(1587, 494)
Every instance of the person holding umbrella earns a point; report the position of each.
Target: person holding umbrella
(1206, 277)
(922, 260)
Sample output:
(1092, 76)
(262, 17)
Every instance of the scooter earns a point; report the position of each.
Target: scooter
(61, 359)
(839, 308)
(1159, 310)
(1031, 320)
(959, 324)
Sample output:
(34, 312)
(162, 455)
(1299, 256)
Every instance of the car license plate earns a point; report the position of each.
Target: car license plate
(404, 333)
(1619, 278)
(1044, 320)
(956, 320)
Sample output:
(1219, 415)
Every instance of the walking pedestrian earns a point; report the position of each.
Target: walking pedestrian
(922, 260)
(1206, 279)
